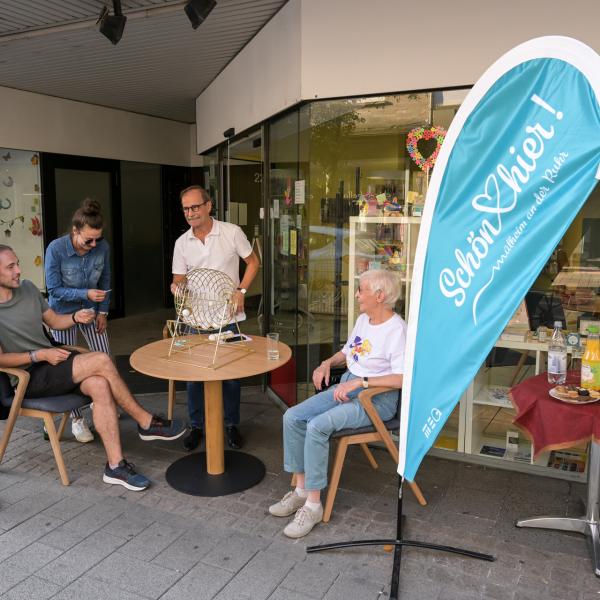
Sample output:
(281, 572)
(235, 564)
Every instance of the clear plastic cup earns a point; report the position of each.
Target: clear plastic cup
(273, 346)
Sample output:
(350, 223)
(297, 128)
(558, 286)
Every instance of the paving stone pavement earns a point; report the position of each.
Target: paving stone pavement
(92, 540)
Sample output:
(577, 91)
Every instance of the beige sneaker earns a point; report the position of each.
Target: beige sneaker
(288, 505)
(303, 522)
(81, 431)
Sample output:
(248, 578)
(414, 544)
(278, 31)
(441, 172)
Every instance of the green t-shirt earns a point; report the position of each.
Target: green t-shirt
(21, 325)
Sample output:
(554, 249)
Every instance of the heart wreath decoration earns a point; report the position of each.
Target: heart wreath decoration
(417, 134)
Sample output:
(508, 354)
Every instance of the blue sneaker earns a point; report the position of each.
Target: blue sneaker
(126, 476)
(162, 429)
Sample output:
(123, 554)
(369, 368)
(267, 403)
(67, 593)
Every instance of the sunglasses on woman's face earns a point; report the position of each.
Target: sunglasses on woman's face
(90, 241)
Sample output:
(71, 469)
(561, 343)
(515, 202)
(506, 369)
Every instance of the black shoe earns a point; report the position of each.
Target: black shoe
(162, 429)
(192, 440)
(234, 439)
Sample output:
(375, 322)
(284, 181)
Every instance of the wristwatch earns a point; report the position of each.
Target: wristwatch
(365, 382)
(243, 290)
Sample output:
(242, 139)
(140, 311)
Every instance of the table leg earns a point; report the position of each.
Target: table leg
(587, 525)
(219, 472)
(213, 417)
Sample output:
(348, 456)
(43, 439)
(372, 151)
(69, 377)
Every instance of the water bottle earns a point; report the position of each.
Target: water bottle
(557, 356)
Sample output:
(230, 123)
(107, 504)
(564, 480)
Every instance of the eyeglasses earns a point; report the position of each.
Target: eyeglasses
(90, 241)
(194, 208)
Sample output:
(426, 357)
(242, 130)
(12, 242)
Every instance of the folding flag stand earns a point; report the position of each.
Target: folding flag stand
(398, 544)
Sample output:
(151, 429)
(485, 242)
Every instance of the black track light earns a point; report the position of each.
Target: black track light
(198, 10)
(112, 26)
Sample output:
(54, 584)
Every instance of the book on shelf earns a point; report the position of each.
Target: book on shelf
(447, 442)
(521, 456)
(492, 451)
(568, 460)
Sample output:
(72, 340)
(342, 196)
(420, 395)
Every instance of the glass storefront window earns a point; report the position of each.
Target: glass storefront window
(351, 158)
(568, 288)
(358, 164)
(21, 211)
(212, 180)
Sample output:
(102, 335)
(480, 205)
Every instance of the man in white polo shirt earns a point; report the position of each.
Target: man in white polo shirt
(213, 244)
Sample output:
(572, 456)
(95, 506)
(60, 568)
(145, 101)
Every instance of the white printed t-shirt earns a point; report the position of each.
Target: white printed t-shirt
(222, 249)
(376, 350)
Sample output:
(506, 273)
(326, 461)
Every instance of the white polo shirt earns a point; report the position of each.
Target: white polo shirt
(221, 250)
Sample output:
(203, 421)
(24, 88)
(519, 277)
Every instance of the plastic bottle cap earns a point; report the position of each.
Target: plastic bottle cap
(558, 324)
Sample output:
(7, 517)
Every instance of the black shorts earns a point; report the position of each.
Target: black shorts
(47, 380)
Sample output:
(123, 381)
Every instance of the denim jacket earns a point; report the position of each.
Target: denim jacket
(69, 276)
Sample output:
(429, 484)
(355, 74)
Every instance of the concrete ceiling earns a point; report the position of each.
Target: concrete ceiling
(158, 68)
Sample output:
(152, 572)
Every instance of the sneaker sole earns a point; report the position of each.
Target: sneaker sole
(84, 441)
(282, 514)
(115, 480)
(149, 438)
(295, 536)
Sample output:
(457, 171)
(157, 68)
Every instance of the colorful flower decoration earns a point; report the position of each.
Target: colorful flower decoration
(424, 133)
(36, 226)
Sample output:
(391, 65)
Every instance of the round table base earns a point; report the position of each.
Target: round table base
(188, 474)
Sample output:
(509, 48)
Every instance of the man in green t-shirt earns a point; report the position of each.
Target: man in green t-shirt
(56, 371)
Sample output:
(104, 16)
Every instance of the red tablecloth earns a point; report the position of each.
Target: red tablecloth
(550, 423)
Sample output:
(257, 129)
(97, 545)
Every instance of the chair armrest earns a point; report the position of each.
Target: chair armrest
(366, 399)
(79, 349)
(23, 380)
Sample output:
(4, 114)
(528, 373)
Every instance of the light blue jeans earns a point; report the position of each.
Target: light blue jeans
(308, 426)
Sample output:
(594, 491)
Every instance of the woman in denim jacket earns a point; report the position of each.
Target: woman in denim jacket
(77, 268)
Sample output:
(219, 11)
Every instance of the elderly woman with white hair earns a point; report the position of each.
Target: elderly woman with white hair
(374, 356)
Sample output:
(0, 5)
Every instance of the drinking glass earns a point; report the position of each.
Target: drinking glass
(273, 346)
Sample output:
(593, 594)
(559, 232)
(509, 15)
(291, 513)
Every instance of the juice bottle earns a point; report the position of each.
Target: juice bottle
(590, 363)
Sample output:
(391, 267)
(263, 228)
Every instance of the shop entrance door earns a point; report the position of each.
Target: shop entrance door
(243, 200)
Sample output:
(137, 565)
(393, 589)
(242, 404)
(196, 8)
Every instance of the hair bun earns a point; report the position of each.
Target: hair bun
(91, 207)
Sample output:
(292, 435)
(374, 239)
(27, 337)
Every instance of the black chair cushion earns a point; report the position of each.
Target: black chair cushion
(391, 425)
(64, 403)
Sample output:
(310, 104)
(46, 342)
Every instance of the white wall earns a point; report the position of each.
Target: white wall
(262, 80)
(31, 121)
(353, 47)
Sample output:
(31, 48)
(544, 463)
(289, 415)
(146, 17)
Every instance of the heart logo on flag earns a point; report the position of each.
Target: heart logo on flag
(431, 139)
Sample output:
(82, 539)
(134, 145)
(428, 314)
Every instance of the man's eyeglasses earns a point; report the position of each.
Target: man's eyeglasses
(90, 241)
(194, 208)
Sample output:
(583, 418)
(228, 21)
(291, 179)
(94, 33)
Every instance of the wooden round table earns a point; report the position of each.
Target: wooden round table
(214, 472)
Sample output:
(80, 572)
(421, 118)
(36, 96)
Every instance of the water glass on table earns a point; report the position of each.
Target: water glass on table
(273, 346)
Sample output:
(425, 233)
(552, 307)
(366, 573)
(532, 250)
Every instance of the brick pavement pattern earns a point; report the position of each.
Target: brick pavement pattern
(92, 540)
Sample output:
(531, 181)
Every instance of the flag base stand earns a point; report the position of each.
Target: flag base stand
(398, 544)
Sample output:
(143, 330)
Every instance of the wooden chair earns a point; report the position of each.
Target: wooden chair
(379, 431)
(40, 408)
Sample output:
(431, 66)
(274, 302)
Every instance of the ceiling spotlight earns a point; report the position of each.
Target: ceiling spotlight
(112, 26)
(198, 10)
